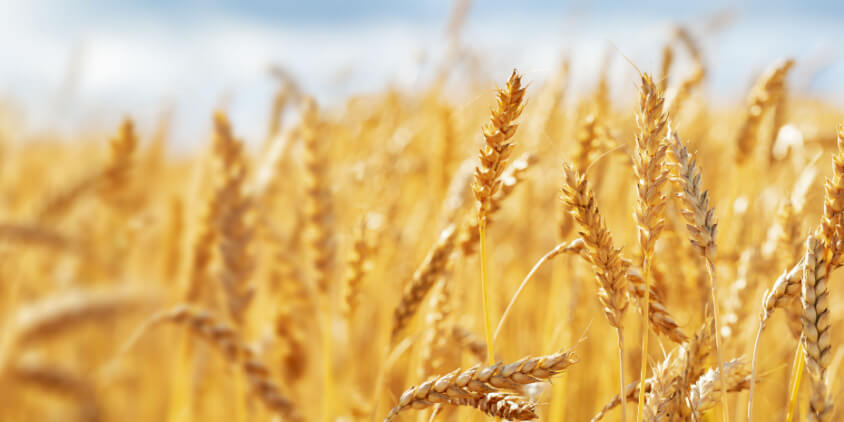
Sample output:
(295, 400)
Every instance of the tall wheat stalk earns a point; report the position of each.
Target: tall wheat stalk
(494, 155)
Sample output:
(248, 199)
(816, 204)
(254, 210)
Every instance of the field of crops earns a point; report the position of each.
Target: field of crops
(518, 252)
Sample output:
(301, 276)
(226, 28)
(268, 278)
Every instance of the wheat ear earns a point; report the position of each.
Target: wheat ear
(319, 210)
(467, 384)
(761, 99)
(224, 337)
(651, 174)
(357, 265)
(710, 387)
(787, 286)
(469, 341)
(816, 333)
(423, 279)
(513, 176)
(665, 67)
(610, 272)
(122, 150)
(700, 221)
(234, 225)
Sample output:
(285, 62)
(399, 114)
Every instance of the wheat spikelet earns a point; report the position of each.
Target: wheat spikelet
(54, 315)
(423, 279)
(470, 341)
(120, 162)
(707, 390)
(684, 90)
(610, 271)
(586, 138)
(682, 34)
(437, 352)
(319, 211)
(651, 174)
(674, 376)
(294, 358)
(510, 178)
(700, 221)
(496, 151)
(700, 218)
(357, 265)
(601, 253)
(233, 223)
(758, 102)
(501, 405)
(680, 369)
(109, 180)
(692, 362)
(831, 229)
(785, 288)
(59, 203)
(816, 323)
(660, 319)
(205, 325)
(467, 384)
(780, 106)
(665, 67)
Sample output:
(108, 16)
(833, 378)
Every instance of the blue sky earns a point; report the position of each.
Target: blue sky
(136, 57)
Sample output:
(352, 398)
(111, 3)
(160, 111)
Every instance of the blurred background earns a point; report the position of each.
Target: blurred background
(69, 66)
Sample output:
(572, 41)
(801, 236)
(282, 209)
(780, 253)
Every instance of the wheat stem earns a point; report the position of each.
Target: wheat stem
(646, 267)
(710, 272)
(485, 291)
(574, 246)
(621, 371)
(753, 370)
(796, 378)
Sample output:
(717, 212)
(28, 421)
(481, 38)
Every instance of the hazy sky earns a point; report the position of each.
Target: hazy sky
(134, 57)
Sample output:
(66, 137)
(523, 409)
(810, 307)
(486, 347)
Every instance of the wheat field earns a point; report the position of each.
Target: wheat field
(511, 252)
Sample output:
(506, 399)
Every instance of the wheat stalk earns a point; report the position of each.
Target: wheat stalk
(493, 159)
(650, 176)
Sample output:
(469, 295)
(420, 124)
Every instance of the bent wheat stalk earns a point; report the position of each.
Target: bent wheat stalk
(205, 325)
(574, 246)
